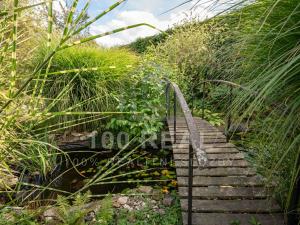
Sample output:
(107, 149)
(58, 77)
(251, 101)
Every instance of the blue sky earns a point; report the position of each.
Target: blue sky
(138, 11)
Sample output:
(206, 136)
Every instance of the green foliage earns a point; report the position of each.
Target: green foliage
(189, 49)
(254, 221)
(72, 214)
(31, 96)
(142, 44)
(93, 87)
(106, 212)
(144, 99)
(257, 46)
(214, 119)
(235, 222)
(23, 217)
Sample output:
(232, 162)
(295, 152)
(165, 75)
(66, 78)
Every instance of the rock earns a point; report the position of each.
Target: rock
(145, 189)
(156, 195)
(76, 134)
(116, 204)
(51, 215)
(92, 134)
(122, 200)
(168, 200)
(7, 180)
(153, 202)
(127, 207)
(83, 138)
(91, 216)
(161, 211)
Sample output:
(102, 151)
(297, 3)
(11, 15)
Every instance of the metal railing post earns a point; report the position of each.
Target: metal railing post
(229, 115)
(174, 117)
(168, 100)
(203, 100)
(190, 188)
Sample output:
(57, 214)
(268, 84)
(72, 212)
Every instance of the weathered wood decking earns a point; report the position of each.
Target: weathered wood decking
(225, 191)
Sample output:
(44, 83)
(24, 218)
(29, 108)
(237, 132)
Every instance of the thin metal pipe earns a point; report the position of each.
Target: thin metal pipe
(203, 99)
(190, 188)
(168, 100)
(175, 108)
(229, 115)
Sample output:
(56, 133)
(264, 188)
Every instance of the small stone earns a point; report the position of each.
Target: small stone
(83, 138)
(127, 207)
(50, 215)
(168, 200)
(156, 195)
(91, 216)
(116, 204)
(145, 189)
(50, 212)
(153, 202)
(7, 180)
(161, 211)
(76, 134)
(122, 200)
(92, 134)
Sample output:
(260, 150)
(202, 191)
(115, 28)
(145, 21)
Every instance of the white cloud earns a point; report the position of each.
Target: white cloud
(130, 17)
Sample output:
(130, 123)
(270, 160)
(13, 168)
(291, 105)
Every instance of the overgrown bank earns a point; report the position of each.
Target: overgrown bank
(255, 47)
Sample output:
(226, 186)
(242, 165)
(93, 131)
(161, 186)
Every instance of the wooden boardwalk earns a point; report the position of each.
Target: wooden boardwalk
(227, 191)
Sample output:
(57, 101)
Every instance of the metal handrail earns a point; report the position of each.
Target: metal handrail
(195, 146)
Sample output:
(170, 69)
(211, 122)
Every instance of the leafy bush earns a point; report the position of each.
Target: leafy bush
(141, 44)
(144, 102)
(190, 48)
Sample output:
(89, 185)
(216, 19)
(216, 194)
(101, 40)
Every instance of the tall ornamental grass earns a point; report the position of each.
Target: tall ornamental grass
(87, 79)
(23, 106)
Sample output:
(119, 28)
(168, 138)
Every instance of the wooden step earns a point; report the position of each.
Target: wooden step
(229, 218)
(236, 181)
(232, 206)
(217, 172)
(225, 192)
(214, 163)
(210, 156)
(184, 149)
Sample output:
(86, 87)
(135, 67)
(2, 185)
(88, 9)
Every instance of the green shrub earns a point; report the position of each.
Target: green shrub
(141, 44)
(92, 90)
(144, 99)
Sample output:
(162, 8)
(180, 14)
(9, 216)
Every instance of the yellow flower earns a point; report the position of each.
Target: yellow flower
(165, 172)
(174, 183)
(165, 190)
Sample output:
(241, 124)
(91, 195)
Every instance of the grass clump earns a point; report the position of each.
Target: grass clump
(87, 79)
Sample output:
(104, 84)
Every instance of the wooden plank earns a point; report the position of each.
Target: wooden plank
(225, 192)
(210, 156)
(214, 163)
(232, 206)
(217, 172)
(181, 140)
(228, 218)
(218, 150)
(203, 134)
(219, 145)
(236, 181)
(183, 149)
